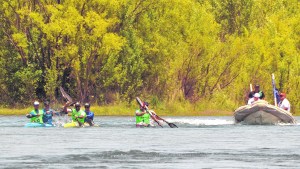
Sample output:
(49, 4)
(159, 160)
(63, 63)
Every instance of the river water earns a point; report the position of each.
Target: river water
(199, 142)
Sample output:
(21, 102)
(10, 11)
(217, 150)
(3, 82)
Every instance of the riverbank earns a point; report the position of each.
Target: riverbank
(128, 110)
(162, 109)
(114, 111)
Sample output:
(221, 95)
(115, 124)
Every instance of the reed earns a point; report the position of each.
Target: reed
(14, 111)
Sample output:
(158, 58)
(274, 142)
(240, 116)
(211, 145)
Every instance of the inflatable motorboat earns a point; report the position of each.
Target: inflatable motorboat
(262, 113)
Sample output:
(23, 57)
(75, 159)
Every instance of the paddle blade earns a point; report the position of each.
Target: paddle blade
(172, 125)
(65, 95)
(72, 103)
(28, 115)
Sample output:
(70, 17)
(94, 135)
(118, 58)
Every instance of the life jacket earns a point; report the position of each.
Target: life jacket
(89, 115)
(36, 119)
(47, 117)
(78, 113)
(145, 118)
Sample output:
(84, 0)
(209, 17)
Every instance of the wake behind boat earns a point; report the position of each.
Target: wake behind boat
(262, 113)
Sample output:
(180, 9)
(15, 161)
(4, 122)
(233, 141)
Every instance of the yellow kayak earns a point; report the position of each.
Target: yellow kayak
(75, 124)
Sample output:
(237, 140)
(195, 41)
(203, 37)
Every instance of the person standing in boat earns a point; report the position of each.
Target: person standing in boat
(255, 97)
(77, 114)
(257, 90)
(284, 103)
(47, 113)
(89, 114)
(36, 115)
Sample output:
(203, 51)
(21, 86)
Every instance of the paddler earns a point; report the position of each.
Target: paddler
(89, 114)
(47, 113)
(77, 114)
(143, 117)
(36, 115)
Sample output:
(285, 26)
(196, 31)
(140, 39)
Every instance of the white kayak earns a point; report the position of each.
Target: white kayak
(261, 112)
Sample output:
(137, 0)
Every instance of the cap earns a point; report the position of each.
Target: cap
(87, 105)
(77, 104)
(256, 85)
(36, 103)
(256, 95)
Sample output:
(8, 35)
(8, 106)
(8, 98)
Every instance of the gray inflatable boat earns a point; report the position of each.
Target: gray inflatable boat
(262, 113)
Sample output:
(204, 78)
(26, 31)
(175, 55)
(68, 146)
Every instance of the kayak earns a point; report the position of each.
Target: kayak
(143, 126)
(71, 125)
(261, 113)
(76, 125)
(38, 125)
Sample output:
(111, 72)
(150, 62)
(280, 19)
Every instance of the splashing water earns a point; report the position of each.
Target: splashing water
(196, 121)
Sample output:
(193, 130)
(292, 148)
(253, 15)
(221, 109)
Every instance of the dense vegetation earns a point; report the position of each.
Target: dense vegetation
(202, 53)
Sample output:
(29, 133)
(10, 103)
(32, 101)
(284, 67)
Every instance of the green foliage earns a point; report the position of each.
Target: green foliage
(199, 55)
(23, 84)
(51, 82)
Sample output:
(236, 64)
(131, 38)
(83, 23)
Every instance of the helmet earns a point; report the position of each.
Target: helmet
(36, 103)
(77, 104)
(87, 105)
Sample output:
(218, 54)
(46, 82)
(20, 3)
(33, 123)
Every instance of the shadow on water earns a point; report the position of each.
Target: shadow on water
(199, 142)
(136, 158)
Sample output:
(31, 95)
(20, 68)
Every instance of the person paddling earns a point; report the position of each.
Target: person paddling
(36, 115)
(77, 114)
(47, 113)
(89, 115)
(142, 117)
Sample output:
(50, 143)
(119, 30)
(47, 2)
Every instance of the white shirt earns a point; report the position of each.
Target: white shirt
(252, 100)
(285, 104)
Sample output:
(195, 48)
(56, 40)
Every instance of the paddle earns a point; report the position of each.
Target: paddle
(154, 116)
(70, 100)
(151, 114)
(30, 115)
(172, 125)
(66, 96)
(274, 89)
